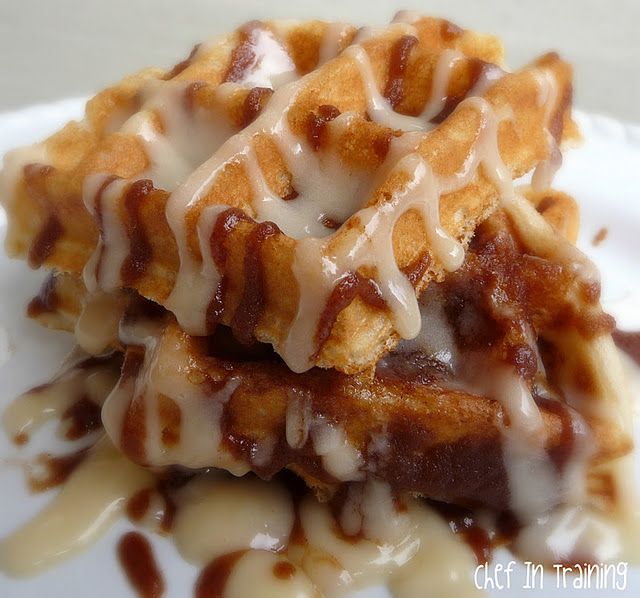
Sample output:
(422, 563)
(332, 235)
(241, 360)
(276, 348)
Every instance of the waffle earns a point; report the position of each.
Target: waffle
(307, 242)
(267, 279)
(416, 422)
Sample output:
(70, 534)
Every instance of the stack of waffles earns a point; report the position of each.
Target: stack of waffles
(308, 244)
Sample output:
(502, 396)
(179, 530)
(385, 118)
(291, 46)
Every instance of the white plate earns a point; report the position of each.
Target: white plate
(604, 174)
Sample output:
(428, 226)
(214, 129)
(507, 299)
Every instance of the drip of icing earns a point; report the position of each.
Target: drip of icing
(198, 407)
(311, 171)
(298, 419)
(188, 136)
(196, 284)
(193, 132)
(306, 215)
(490, 74)
(78, 379)
(339, 457)
(337, 564)
(534, 482)
(539, 237)
(96, 328)
(374, 248)
(436, 337)
(446, 571)
(84, 510)
(545, 171)
(101, 196)
(381, 111)
(407, 16)
(332, 41)
(378, 107)
(245, 513)
(440, 85)
(613, 535)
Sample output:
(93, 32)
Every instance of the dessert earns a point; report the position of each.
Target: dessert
(302, 255)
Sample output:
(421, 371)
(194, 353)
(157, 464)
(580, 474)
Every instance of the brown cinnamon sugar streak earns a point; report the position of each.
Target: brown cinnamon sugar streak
(139, 564)
(214, 576)
(317, 123)
(222, 229)
(140, 250)
(394, 89)
(57, 470)
(183, 64)
(35, 178)
(100, 216)
(254, 103)
(243, 55)
(251, 305)
(134, 428)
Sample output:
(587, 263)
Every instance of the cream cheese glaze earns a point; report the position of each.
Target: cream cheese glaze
(80, 377)
(84, 510)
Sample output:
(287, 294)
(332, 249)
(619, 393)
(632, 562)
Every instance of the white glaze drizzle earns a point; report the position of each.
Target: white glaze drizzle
(319, 264)
(571, 530)
(96, 328)
(189, 136)
(85, 509)
(311, 172)
(166, 371)
(306, 215)
(396, 548)
(253, 575)
(102, 270)
(272, 65)
(31, 410)
(545, 171)
(332, 41)
(339, 457)
(567, 533)
(298, 218)
(190, 133)
(395, 28)
(407, 16)
(378, 106)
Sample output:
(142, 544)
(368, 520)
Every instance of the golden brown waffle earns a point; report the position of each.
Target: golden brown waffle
(258, 286)
(202, 402)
